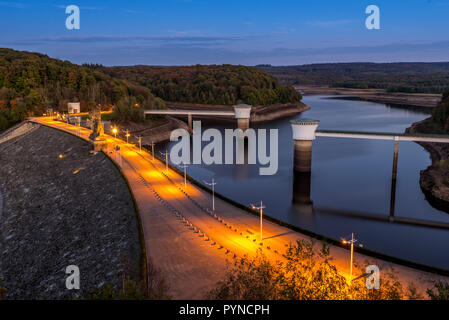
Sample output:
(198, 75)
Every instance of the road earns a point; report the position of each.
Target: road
(188, 243)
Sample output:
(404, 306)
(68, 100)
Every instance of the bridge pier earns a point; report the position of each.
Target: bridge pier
(303, 135)
(242, 114)
(393, 178)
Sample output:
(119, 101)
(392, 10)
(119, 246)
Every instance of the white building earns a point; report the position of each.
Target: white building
(73, 107)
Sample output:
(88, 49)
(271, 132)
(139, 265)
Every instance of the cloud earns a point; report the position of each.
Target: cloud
(12, 5)
(176, 39)
(183, 49)
(81, 7)
(332, 23)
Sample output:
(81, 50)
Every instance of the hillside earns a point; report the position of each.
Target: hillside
(211, 84)
(393, 77)
(30, 83)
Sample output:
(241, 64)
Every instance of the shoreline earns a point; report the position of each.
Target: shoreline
(258, 113)
(377, 95)
(434, 180)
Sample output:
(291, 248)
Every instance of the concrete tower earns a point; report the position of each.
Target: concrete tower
(303, 135)
(242, 114)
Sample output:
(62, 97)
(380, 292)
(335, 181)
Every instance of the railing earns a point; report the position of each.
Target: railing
(383, 136)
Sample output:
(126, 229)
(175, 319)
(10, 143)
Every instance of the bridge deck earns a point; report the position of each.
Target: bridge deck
(383, 136)
(192, 112)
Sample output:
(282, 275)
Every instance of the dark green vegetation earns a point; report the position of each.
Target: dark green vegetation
(30, 83)
(212, 84)
(441, 291)
(131, 290)
(393, 77)
(308, 274)
(440, 115)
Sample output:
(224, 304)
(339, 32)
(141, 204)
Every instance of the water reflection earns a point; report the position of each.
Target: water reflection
(301, 188)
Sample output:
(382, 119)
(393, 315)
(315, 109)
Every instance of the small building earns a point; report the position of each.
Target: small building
(73, 107)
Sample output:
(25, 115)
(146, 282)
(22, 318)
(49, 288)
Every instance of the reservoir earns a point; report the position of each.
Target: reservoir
(350, 184)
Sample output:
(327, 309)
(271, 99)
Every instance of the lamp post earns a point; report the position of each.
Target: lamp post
(140, 142)
(260, 208)
(114, 131)
(166, 159)
(185, 175)
(152, 149)
(351, 242)
(127, 135)
(212, 184)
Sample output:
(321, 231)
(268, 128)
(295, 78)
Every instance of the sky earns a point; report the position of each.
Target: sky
(248, 32)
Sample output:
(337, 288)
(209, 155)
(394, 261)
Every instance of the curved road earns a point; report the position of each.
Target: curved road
(188, 243)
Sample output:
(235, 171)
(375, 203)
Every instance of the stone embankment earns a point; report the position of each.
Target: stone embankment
(62, 206)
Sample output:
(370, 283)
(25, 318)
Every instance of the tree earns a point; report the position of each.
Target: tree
(212, 84)
(442, 291)
(306, 274)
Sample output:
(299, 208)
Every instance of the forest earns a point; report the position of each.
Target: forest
(31, 83)
(440, 114)
(406, 77)
(208, 84)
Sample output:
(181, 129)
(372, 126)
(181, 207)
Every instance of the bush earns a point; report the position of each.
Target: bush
(306, 274)
(442, 291)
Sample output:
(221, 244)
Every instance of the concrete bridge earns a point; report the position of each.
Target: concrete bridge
(241, 112)
(305, 131)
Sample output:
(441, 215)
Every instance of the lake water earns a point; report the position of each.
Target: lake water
(350, 184)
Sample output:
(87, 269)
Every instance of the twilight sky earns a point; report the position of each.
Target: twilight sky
(249, 32)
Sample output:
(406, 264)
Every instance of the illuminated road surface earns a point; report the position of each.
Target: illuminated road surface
(187, 242)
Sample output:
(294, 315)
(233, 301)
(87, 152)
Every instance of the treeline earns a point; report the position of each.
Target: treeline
(31, 83)
(211, 84)
(394, 77)
(440, 114)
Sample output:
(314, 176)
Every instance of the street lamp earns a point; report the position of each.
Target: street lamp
(152, 149)
(127, 135)
(140, 142)
(114, 131)
(185, 175)
(352, 241)
(166, 159)
(260, 208)
(213, 183)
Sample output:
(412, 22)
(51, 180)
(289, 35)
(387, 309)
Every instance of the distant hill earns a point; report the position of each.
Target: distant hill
(407, 77)
(32, 82)
(208, 84)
